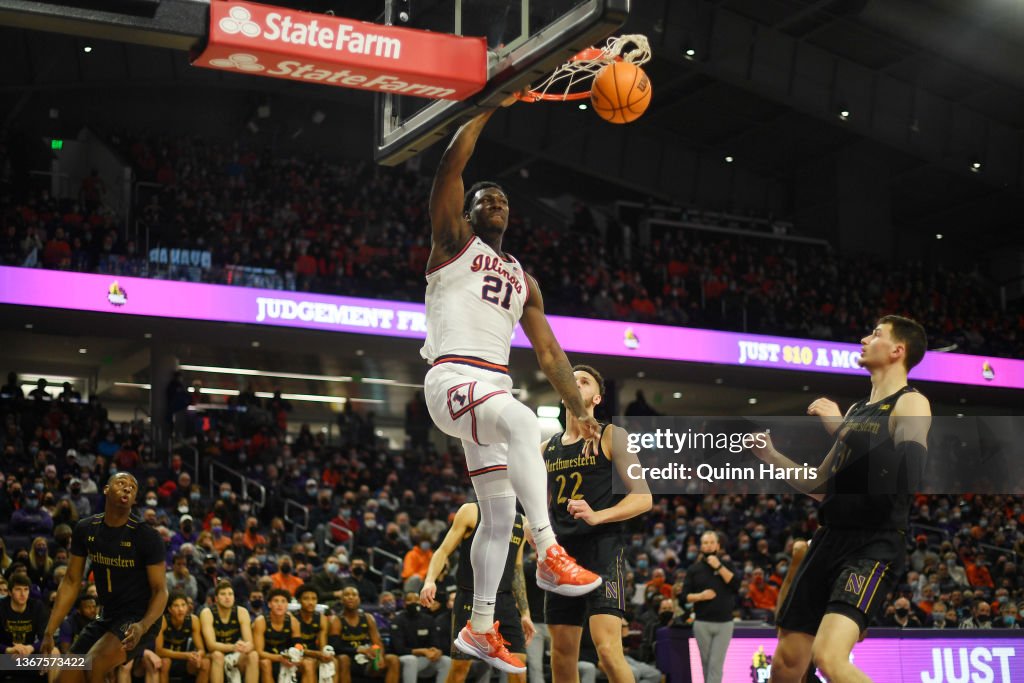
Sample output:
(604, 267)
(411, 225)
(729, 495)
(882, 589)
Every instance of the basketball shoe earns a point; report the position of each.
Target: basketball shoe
(560, 574)
(489, 647)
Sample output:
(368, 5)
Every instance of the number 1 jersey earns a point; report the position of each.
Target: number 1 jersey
(474, 301)
(118, 557)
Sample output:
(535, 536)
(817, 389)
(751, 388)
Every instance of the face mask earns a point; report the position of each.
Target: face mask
(902, 612)
(151, 502)
(261, 558)
(1001, 599)
(253, 571)
(691, 556)
(1008, 619)
(195, 496)
(744, 546)
(641, 564)
(358, 572)
(333, 568)
(939, 623)
(984, 619)
(393, 535)
(311, 546)
(412, 609)
(38, 487)
(371, 524)
(345, 514)
(32, 504)
(425, 545)
(638, 543)
(217, 530)
(783, 570)
(75, 491)
(700, 528)
(187, 528)
(256, 604)
(211, 570)
(286, 569)
(665, 617)
(244, 509)
(183, 509)
(41, 552)
(757, 535)
(311, 490)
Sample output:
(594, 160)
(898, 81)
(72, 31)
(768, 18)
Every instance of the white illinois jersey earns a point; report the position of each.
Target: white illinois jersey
(474, 301)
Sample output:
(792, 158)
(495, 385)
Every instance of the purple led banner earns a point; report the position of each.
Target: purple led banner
(192, 301)
(934, 659)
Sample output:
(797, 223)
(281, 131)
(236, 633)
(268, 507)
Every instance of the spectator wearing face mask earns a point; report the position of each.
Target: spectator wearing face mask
(344, 526)
(186, 534)
(902, 616)
(360, 581)
(221, 541)
(248, 580)
(75, 496)
(938, 616)
(414, 567)
(285, 577)
(327, 582)
(370, 533)
(978, 574)
(252, 537)
(31, 519)
(981, 617)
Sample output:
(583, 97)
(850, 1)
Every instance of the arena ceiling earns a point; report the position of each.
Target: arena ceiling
(932, 88)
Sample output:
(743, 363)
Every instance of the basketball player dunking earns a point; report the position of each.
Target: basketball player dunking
(476, 293)
(859, 552)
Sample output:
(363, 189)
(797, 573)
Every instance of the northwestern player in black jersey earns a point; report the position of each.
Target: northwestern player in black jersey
(858, 553)
(180, 643)
(511, 611)
(227, 631)
(354, 636)
(127, 560)
(273, 634)
(588, 516)
(312, 632)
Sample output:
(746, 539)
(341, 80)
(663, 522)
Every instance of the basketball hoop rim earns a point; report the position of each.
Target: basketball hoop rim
(586, 64)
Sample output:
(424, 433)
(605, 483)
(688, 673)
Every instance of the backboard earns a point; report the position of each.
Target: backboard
(526, 40)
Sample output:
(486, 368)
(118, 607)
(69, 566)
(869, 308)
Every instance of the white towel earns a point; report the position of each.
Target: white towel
(289, 674)
(231, 672)
(327, 668)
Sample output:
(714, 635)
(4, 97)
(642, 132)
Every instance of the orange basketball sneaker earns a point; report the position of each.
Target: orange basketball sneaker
(490, 647)
(560, 574)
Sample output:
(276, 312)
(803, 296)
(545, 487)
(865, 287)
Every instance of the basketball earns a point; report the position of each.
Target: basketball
(621, 92)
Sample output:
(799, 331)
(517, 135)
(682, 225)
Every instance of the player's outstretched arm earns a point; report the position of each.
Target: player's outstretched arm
(553, 361)
(813, 483)
(638, 499)
(465, 520)
(449, 228)
(67, 594)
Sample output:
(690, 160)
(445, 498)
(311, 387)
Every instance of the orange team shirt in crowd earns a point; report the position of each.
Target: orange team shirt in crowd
(416, 562)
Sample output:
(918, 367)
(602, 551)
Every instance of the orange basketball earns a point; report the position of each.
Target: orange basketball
(621, 92)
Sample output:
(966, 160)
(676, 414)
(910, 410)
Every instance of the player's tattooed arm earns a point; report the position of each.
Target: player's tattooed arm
(550, 356)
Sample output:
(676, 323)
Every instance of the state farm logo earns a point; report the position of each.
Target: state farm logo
(239, 20)
(320, 32)
(241, 61)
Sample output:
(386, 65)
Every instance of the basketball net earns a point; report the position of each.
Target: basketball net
(572, 80)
